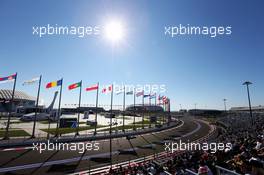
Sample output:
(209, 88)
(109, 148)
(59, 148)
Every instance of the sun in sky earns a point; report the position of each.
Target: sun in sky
(114, 31)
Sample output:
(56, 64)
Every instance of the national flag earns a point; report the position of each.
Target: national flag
(54, 84)
(161, 97)
(32, 81)
(75, 85)
(147, 95)
(9, 78)
(107, 89)
(140, 93)
(120, 91)
(152, 96)
(91, 88)
(164, 99)
(130, 93)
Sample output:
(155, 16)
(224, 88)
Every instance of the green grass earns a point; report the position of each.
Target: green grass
(145, 122)
(82, 122)
(69, 130)
(14, 133)
(47, 122)
(15, 122)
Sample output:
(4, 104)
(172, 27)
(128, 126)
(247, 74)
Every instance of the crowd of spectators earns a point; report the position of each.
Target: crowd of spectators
(246, 156)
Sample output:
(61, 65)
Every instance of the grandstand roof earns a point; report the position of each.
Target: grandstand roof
(6, 94)
(260, 108)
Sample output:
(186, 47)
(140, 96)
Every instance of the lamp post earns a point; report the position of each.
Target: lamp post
(247, 83)
(195, 110)
(225, 103)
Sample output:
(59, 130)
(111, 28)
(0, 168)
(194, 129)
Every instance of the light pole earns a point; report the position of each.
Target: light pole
(111, 115)
(247, 83)
(195, 110)
(225, 103)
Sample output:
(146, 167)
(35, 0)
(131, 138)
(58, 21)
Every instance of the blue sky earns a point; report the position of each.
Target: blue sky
(195, 69)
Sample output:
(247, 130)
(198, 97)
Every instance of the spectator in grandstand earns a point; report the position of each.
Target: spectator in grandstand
(203, 169)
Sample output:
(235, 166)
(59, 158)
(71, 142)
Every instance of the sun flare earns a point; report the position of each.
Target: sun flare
(114, 31)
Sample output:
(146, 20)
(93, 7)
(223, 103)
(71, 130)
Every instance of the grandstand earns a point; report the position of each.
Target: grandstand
(245, 157)
(259, 108)
(204, 112)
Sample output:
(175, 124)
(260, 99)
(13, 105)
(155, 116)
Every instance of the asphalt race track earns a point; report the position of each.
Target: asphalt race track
(64, 162)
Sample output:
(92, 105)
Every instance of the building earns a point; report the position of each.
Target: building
(148, 108)
(21, 99)
(244, 109)
(81, 109)
(205, 112)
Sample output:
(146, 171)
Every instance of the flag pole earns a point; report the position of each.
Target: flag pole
(124, 103)
(169, 116)
(149, 110)
(155, 99)
(37, 104)
(10, 110)
(96, 110)
(143, 111)
(134, 109)
(111, 115)
(80, 98)
(159, 105)
(59, 110)
(164, 112)
(155, 111)
(150, 99)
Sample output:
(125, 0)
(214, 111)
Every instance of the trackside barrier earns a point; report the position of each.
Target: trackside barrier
(135, 162)
(224, 171)
(167, 173)
(189, 172)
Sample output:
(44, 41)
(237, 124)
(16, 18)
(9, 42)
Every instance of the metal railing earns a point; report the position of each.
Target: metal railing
(224, 171)
(189, 172)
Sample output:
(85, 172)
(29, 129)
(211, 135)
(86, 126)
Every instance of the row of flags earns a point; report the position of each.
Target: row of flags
(107, 89)
(57, 83)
